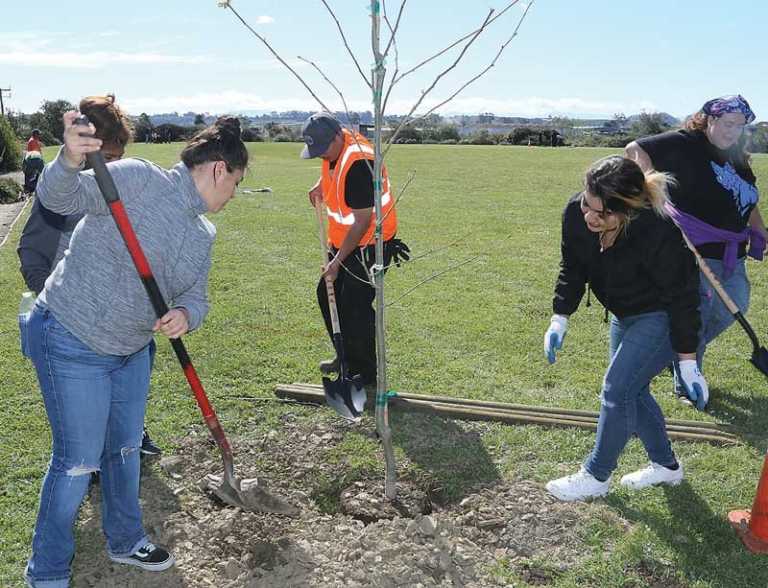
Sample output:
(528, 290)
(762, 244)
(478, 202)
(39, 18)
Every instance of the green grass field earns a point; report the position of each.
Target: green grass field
(474, 332)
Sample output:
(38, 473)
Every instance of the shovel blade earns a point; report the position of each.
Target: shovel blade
(339, 396)
(359, 397)
(248, 494)
(760, 359)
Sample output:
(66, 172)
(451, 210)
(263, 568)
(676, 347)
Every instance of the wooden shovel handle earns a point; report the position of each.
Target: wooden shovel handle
(727, 300)
(336, 326)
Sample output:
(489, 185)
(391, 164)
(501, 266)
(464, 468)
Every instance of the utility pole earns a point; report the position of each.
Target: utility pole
(4, 93)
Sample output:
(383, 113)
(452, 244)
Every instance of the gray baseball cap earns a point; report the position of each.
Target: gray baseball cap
(318, 133)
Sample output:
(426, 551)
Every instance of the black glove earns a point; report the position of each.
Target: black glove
(400, 251)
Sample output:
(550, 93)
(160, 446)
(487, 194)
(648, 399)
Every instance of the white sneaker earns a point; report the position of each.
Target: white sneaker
(652, 475)
(579, 486)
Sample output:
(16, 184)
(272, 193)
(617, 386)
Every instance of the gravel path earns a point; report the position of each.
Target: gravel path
(10, 212)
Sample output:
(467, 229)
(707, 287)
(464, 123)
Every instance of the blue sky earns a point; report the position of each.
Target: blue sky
(588, 58)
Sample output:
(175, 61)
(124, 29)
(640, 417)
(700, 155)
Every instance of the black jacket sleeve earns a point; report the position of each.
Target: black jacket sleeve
(38, 245)
(573, 276)
(672, 268)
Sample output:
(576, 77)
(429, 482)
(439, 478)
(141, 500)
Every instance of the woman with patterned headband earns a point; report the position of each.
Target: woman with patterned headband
(715, 202)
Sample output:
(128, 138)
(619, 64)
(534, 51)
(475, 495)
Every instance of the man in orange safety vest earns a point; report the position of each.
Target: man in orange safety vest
(345, 188)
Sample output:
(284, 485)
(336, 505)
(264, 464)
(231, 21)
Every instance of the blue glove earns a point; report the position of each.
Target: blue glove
(555, 335)
(694, 383)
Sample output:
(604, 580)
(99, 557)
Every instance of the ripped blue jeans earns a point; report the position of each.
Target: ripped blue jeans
(95, 405)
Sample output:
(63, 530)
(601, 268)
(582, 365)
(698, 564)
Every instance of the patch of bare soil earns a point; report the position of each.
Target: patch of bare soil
(346, 533)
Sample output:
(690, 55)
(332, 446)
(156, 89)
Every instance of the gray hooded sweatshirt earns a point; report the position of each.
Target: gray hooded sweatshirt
(95, 291)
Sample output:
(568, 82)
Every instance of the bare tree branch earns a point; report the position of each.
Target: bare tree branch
(344, 38)
(411, 175)
(343, 101)
(432, 277)
(408, 121)
(393, 42)
(393, 30)
(452, 45)
(439, 249)
(277, 56)
(442, 74)
(461, 89)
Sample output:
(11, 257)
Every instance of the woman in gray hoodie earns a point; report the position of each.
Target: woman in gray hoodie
(89, 333)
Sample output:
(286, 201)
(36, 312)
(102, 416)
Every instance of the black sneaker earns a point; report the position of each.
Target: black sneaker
(150, 557)
(148, 446)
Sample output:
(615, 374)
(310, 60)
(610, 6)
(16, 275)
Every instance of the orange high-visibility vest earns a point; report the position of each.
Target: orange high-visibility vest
(340, 216)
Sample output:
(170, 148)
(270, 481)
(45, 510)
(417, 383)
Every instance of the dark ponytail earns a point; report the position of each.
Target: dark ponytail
(219, 142)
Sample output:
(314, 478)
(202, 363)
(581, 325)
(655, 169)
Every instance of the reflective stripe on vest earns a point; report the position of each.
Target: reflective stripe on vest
(340, 216)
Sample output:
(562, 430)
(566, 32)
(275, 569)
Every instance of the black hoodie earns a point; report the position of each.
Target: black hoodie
(647, 269)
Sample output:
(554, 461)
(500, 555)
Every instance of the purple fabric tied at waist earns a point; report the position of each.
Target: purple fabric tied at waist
(699, 232)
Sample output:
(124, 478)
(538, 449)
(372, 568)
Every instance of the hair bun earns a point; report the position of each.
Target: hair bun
(229, 127)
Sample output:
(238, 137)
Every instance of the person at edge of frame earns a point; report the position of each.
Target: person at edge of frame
(714, 200)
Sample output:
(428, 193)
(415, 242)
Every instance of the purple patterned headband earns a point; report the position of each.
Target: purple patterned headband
(726, 104)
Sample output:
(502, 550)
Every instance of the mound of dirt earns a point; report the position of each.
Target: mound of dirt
(352, 538)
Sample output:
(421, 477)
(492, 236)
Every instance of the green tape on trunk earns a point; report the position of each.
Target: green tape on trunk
(383, 399)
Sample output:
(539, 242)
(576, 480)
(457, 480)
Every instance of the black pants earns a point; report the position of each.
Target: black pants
(357, 317)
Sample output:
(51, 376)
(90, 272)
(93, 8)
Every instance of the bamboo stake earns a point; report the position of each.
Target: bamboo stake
(720, 427)
(521, 415)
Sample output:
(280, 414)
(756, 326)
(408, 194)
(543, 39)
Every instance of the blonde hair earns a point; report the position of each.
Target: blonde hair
(625, 189)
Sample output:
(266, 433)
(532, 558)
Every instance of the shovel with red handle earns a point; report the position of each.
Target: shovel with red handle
(247, 494)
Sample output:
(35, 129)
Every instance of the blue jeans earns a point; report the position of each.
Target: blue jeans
(640, 348)
(95, 405)
(715, 317)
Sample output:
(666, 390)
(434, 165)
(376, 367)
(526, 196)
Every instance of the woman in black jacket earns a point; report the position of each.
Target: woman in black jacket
(617, 239)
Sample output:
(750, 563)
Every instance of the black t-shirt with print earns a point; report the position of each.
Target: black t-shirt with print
(358, 187)
(708, 186)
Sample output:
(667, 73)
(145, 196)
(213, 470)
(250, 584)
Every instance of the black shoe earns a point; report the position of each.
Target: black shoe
(150, 557)
(148, 446)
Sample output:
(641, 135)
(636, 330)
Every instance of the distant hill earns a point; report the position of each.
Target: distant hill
(464, 121)
(666, 117)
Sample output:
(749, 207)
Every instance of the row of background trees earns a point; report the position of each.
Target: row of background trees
(483, 129)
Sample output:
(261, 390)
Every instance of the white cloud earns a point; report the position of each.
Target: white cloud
(214, 102)
(264, 20)
(92, 60)
(15, 41)
(237, 101)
